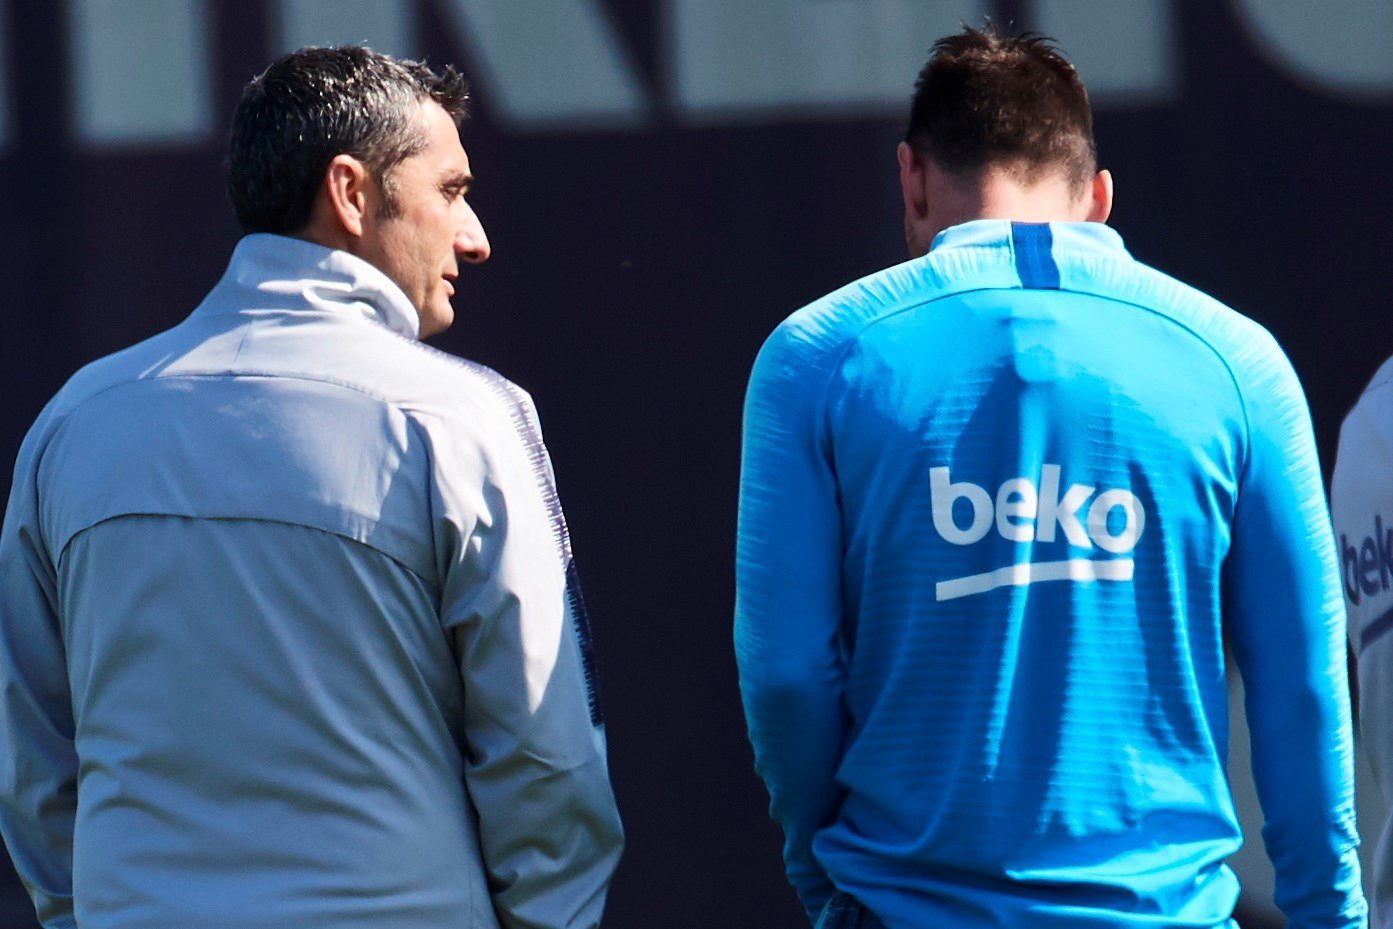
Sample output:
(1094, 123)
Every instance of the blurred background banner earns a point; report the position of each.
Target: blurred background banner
(662, 182)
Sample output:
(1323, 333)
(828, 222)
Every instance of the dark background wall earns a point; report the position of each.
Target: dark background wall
(642, 253)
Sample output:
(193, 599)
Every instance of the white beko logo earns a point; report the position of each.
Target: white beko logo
(1025, 512)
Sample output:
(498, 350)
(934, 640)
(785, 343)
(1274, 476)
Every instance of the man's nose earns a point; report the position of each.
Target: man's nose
(471, 242)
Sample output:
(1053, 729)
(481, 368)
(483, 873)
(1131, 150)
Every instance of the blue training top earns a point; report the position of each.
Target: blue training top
(996, 504)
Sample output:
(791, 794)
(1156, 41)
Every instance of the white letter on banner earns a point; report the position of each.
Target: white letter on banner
(140, 71)
(793, 57)
(1127, 53)
(550, 63)
(1340, 45)
(386, 26)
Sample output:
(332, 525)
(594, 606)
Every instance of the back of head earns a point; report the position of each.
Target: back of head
(317, 103)
(1006, 103)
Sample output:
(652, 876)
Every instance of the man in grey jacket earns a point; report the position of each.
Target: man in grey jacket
(1361, 503)
(289, 626)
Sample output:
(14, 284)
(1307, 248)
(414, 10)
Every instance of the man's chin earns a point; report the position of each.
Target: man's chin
(435, 320)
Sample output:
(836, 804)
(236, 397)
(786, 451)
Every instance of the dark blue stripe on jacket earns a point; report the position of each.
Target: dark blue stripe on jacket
(1031, 243)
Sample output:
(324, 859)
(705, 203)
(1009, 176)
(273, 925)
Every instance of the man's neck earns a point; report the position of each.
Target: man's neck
(1003, 195)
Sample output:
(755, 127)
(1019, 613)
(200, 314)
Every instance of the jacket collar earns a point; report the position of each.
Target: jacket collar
(996, 233)
(273, 271)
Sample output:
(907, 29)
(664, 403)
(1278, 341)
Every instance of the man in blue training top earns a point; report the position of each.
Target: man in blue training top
(996, 504)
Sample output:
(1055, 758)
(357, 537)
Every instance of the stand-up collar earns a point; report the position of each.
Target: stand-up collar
(266, 269)
(998, 233)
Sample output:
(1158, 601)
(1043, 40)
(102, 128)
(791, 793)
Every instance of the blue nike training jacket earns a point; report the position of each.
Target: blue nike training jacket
(996, 504)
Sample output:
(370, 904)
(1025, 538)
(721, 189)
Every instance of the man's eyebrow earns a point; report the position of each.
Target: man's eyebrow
(460, 180)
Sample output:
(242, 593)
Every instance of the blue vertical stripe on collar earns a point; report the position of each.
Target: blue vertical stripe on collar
(1034, 263)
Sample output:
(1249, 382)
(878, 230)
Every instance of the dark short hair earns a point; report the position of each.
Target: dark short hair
(314, 104)
(984, 100)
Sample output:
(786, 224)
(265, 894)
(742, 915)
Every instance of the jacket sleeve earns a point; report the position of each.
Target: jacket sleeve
(1285, 614)
(534, 746)
(788, 601)
(38, 761)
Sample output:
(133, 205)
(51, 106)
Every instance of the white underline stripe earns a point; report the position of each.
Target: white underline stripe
(1019, 575)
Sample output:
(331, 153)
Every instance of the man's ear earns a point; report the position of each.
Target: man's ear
(348, 194)
(916, 203)
(1100, 197)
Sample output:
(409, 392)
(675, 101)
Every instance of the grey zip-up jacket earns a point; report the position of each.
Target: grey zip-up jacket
(1361, 503)
(290, 633)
